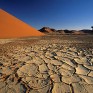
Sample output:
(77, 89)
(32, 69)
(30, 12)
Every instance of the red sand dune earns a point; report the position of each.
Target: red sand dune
(11, 27)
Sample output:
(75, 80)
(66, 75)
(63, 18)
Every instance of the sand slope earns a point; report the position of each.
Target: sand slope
(11, 27)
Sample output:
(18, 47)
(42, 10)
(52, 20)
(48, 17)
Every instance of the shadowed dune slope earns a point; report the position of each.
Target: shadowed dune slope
(47, 30)
(11, 27)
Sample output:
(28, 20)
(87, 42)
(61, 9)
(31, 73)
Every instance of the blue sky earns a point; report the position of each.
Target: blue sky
(58, 14)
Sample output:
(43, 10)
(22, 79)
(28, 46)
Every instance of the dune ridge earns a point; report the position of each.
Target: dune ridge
(12, 27)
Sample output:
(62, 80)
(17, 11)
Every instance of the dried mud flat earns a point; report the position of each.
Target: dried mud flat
(49, 64)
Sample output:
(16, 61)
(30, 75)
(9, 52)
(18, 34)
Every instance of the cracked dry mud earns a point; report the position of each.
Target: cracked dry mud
(46, 66)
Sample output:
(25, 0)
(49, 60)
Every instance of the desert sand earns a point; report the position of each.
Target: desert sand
(48, 64)
(12, 27)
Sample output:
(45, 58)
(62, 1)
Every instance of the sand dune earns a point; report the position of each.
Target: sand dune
(47, 30)
(11, 27)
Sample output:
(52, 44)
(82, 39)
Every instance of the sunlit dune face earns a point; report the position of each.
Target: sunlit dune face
(11, 27)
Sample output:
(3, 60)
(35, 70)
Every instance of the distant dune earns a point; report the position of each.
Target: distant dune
(11, 27)
(48, 30)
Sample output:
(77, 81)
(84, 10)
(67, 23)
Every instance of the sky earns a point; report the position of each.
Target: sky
(58, 14)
